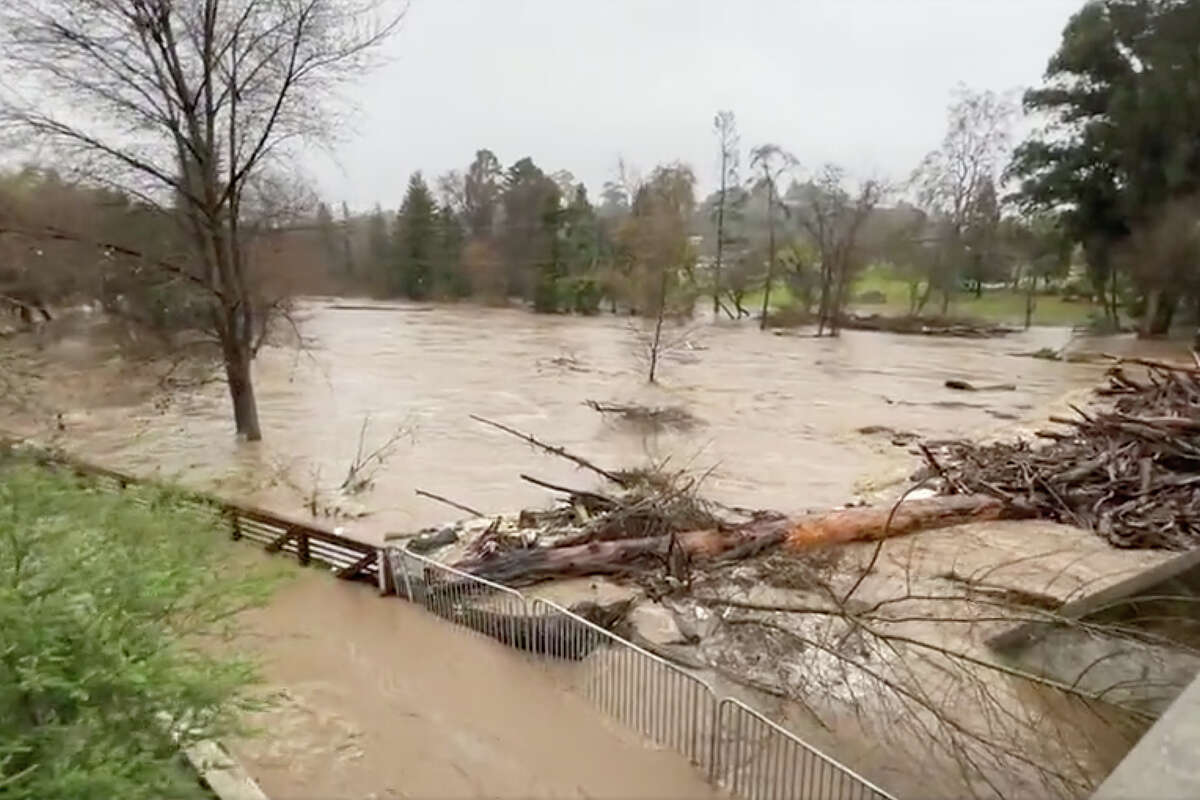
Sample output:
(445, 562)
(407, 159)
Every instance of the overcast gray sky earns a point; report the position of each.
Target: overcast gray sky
(578, 83)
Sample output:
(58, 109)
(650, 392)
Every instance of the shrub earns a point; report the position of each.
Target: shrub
(103, 603)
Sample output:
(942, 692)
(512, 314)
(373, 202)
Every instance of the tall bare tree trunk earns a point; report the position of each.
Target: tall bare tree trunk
(839, 301)
(826, 289)
(1116, 318)
(1151, 314)
(658, 323)
(720, 235)
(1029, 301)
(766, 305)
(241, 391)
(1160, 311)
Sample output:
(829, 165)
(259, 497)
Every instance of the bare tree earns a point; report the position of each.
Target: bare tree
(741, 277)
(655, 236)
(834, 220)
(728, 142)
(189, 105)
(954, 180)
(1041, 248)
(772, 161)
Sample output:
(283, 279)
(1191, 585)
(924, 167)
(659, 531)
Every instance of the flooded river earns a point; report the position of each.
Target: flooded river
(779, 414)
(780, 426)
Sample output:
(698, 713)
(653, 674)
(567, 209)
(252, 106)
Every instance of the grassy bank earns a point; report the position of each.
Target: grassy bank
(996, 305)
(109, 611)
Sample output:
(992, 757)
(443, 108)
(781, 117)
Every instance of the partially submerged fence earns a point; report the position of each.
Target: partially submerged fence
(736, 747)
(350, 559)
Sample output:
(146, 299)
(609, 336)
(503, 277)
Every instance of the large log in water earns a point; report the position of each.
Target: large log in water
(843, 525)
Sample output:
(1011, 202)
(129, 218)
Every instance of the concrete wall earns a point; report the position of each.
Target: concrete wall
(1161, 604)
(1165, 764)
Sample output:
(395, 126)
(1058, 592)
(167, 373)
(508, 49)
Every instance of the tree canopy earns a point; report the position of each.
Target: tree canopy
(1122, 100)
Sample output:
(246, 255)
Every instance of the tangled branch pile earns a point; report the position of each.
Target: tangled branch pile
(1130, 473)
(637, 524)
(650, 417)
(656, 519)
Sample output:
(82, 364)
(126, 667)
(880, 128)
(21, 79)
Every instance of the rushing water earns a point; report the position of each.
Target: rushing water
(779, 414)
(780, 420)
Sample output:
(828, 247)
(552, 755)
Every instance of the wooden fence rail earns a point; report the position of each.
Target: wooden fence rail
(349, 558)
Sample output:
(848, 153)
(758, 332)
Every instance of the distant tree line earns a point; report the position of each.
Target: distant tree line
(519, 233)
(499, 234)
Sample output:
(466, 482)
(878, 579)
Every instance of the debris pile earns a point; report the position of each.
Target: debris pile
(650, 417)
(653, 526)
(926, 326)
(1131, 472)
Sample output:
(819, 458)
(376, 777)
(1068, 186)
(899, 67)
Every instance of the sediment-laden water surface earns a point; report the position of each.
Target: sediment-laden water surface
(779, 415)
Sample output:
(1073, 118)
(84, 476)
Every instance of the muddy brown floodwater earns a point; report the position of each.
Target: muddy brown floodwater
(779, 415)
(380, 700)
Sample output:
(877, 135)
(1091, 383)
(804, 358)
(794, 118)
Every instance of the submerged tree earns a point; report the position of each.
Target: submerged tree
(656, 239)
(771, 161)
(189, 105)
(834, 219)
(1042, 248)
(957, 181)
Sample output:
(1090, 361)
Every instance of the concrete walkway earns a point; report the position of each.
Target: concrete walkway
(378, 699)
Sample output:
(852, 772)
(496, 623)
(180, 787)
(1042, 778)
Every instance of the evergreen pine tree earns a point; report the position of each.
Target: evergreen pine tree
(451, 279)
(415, 247)
(378, 251)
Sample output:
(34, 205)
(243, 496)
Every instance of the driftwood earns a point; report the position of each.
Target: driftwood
(647, 416)
(843, 525)
(26, 310)
(1131, 472)
(561, 452)
(925, 326)
(964, 386)
(449, 502)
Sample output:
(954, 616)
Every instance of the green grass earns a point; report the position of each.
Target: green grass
(996, 305)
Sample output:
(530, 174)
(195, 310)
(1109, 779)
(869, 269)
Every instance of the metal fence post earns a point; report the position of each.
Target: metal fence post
(742, 751)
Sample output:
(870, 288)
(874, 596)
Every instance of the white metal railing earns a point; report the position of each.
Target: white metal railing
(736, 747)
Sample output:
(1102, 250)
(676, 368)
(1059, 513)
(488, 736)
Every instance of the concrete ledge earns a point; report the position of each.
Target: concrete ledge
(1164, 764)
(222, 772)
(1142, 583)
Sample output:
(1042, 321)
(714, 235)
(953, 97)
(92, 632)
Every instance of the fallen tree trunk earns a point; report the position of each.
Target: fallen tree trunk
(843, 525)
